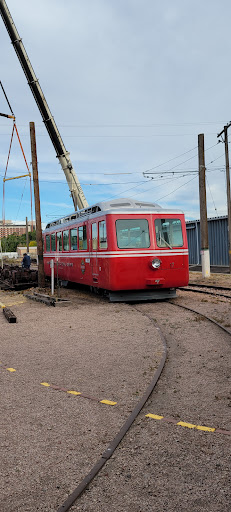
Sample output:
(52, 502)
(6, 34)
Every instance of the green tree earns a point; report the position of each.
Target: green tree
(11, 242)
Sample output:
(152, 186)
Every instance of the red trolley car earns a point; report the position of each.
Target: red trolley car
(131, 249)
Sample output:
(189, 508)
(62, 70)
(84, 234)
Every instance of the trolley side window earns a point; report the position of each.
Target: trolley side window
(48, 243)
(132, 233)
(102, 235)
(74, 239)
(94, 236)
(66, 240)
(53, 245)
(59, 241)
(82, 231)
(168, 233)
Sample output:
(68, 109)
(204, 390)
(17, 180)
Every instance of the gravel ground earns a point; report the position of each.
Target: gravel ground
(51, 439)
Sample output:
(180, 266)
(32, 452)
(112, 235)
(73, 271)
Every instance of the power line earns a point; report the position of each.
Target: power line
(131, 125)
(211, 196)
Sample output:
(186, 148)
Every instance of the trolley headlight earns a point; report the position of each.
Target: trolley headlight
(155, 263)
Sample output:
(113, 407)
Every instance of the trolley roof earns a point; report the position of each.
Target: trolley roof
(121, 205)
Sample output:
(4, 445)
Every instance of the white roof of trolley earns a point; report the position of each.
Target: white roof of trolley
(124, 205)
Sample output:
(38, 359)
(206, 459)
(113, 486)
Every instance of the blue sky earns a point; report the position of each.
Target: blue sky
(130, 84)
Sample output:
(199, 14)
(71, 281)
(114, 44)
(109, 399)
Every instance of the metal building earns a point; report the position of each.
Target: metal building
(218, 241)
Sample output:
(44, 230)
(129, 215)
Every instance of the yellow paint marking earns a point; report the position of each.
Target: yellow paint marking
(107, 402)
(2, 305)
(154, 416)
(16, 303)
(183, 424)
(206, 429)
(11, 369)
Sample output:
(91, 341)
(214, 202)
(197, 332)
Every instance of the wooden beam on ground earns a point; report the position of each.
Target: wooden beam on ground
(10, 316)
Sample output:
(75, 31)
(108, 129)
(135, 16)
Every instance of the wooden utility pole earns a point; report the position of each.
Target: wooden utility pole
(205, 260)
(41, 274)
(225, 131)
(27, 236)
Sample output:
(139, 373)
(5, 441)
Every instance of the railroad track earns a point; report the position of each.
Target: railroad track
(218, 291)
(128, 423)
(120, 435)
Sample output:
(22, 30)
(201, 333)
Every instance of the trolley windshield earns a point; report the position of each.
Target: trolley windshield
(132, 233)
(168, 233)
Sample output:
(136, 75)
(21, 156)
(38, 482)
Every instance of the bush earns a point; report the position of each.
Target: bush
(33, 243)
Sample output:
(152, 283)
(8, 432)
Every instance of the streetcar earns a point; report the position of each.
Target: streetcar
(129, 250)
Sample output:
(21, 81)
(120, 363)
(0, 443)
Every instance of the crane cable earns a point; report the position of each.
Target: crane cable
(6, 179)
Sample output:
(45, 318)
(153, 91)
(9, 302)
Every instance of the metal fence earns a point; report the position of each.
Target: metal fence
(218, 241)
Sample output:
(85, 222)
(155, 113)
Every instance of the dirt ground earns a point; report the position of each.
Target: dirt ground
(214, 279)
(51, 438)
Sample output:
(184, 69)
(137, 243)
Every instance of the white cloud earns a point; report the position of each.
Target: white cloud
(130, 84)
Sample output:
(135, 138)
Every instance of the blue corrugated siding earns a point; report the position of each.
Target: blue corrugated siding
(218, 241)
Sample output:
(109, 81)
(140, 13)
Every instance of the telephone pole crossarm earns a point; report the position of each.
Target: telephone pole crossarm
(227, 126)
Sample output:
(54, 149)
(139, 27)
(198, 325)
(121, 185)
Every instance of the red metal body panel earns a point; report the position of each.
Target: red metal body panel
(115, 269)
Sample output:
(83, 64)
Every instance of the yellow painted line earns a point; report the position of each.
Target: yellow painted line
(11, 369)
(206, 429)
(107, 402)
(72, 392)
(154, 416)
(181, 423)
(188, 425)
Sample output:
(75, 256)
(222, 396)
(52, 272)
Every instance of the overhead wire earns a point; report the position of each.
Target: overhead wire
(211, 196)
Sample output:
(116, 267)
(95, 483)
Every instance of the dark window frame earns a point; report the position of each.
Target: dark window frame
(71, 248)
(104, 239)
(59, 233)
(83, 227)
(164, 241)
(97, 236)
(48, 237)
(133, 245)
(53, 239)
(64, 239)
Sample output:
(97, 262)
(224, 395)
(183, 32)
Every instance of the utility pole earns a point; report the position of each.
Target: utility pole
(27, 236)
(41, 274)
(205, 259)
(225, 131)
(1, 253)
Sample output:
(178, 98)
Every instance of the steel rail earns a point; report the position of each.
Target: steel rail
(122, 432)
(212, 286)
(201, 314)
(194, 290)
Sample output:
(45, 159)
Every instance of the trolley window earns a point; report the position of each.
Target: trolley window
(102, 235)
(132, 233)
(94, 236)
(59, 241)
(48, 243)
(74, 239)
(82, 238)
(53, 246)
(66, 240)
(168, 233)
